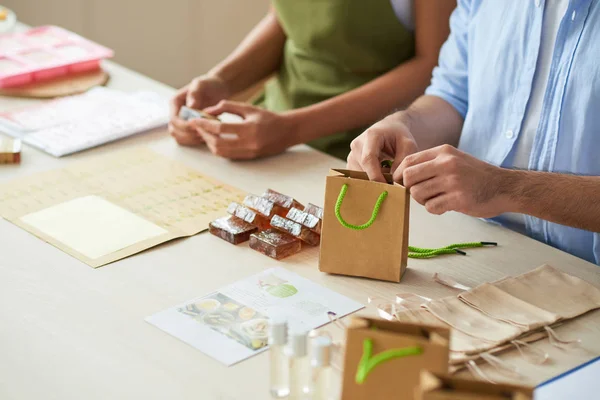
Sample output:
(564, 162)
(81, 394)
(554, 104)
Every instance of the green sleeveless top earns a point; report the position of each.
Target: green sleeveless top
(334, 46)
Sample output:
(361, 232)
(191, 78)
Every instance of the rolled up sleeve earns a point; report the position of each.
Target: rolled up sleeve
(450, 79)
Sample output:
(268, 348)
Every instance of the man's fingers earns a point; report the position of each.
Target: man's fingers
(427, 190)
(418, 173)
(421, 157)
(369, 159)
(439, 204)
(233, 107)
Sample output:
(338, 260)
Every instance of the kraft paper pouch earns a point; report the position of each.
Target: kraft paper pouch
(554, 291)
(468, 320)
(365, 227)
(435, 386)
(383, 358)
(459, 342)
(502, 306)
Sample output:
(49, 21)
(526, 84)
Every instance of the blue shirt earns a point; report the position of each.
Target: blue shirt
(486, 70)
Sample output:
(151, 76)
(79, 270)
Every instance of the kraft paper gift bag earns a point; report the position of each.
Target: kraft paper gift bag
(365, 227)
(435, 386)
(383, 359)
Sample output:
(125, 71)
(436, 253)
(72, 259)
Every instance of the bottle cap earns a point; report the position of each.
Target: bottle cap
(278, 332)
(297, 344)
(320, 354)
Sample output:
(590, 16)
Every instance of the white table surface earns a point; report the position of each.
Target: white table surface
(68, 331)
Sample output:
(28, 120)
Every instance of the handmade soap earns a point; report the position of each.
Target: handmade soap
(232, 229)
(282, 200)
(295, 229)
(305, 219)
(314, 210)
(261, 205)
(10, 151)
(275, 244)
(248, 215)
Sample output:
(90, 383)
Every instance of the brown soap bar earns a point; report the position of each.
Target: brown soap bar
(282, 200)
(295, 229)
(10, 151)
(275, 244)
(232, 229)
(305, 219)
(314, 210)
(248, 215)
(261, 205)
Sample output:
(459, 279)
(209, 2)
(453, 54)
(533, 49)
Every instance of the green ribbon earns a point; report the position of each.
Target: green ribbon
(413, 252)
(368, 362)
(338, 206)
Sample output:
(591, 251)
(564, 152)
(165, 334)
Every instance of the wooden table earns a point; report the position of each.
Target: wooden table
(68, 331)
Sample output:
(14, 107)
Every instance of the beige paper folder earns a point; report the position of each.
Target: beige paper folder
(112, 206)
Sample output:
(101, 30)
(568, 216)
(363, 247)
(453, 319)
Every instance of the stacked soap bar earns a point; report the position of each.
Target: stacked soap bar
(10, 151)
(275, 244)
(232, 229)
(250, 216)
(305, 219)
(275, 224)
(295, 229)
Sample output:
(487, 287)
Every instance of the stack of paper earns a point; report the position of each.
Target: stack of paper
(80, 122)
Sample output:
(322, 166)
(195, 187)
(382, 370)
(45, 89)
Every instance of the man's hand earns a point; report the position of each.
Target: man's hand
(261, 133)
(202, 92)
(389, 139)
(446, 179)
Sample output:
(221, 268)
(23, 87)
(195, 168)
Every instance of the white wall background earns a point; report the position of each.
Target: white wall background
(169, 40)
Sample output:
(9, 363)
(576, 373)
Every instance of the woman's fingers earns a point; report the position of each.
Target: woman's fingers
(233, 107)
(177, 101)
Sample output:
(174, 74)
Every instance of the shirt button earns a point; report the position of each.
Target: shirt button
(537, 3)
(509, 134)
(573, 15)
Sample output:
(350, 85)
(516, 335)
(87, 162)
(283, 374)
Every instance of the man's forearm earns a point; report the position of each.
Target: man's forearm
(258, 56)
(569, 200)
(432, 121)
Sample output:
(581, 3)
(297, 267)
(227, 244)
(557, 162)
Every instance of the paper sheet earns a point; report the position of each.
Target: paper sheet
(92, 226)
(161, 191)
(74, 123)
(231, 324)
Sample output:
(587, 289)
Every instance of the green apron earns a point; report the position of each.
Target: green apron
(334, 46)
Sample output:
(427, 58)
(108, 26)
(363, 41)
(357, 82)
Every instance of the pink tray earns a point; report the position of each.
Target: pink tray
(44, 53)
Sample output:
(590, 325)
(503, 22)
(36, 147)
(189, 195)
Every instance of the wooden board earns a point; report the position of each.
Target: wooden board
(64, 86)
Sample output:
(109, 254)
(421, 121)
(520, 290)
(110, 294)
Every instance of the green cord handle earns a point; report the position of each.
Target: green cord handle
(418, 252)
(338, 206)
(368, 363)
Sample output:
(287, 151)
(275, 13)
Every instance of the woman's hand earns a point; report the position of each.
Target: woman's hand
(202, 92)
(261, 133)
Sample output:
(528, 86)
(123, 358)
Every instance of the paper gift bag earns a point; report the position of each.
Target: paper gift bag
(435, 386)
(365, 227)
(383, 359)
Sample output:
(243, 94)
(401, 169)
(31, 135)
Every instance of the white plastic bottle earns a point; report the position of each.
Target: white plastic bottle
(323, 385)
(297, 353)
(280, 382)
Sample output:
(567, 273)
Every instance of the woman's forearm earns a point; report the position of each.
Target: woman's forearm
(364, 105)
(258, 56)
